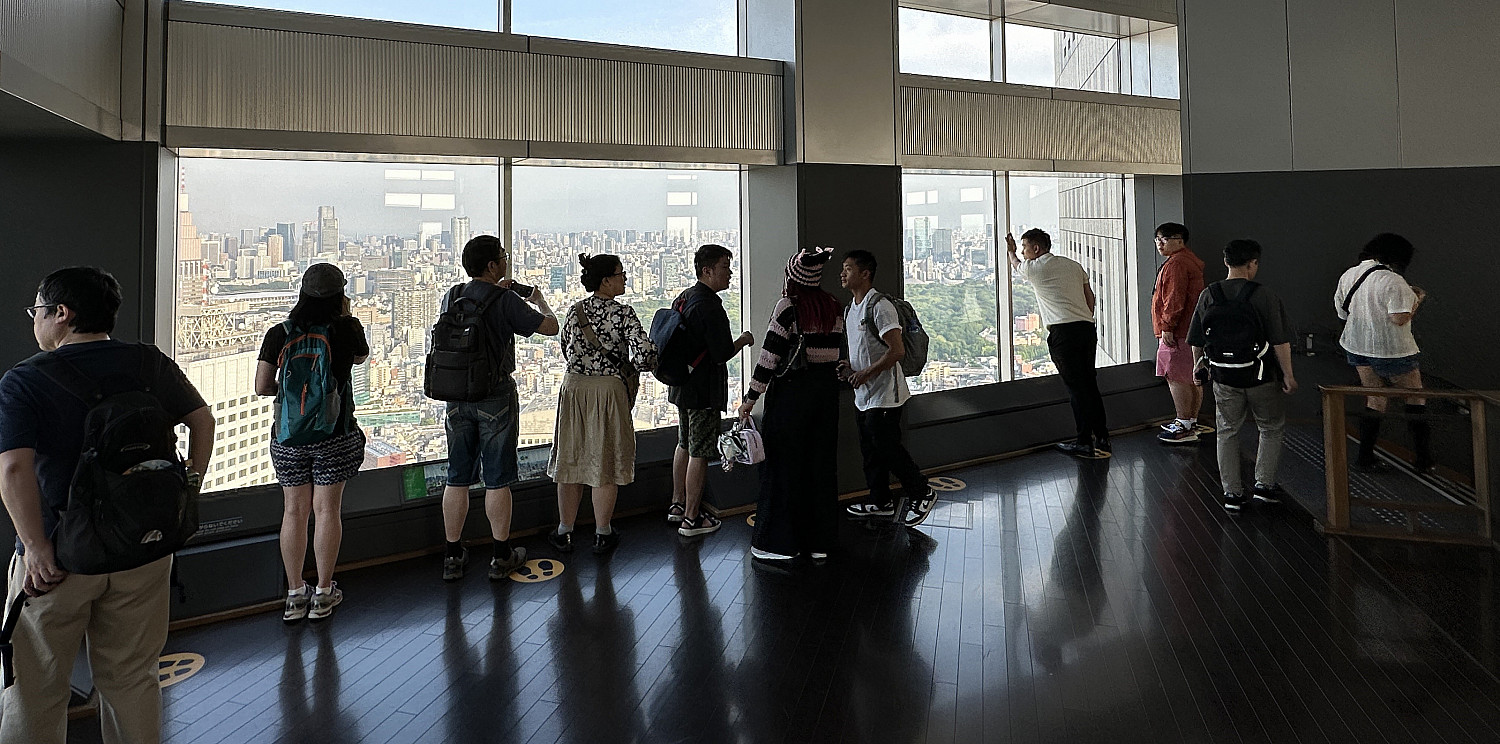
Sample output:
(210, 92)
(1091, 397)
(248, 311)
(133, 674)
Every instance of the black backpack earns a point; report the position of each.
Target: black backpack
(1235, 342)
(461, 365)
(131, 501)
(679, 352)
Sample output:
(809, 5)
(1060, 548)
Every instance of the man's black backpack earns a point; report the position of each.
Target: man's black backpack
(461, 365)
(1235, 341)
(131, 501)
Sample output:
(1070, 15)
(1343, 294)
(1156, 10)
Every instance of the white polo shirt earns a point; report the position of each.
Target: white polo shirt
(1368, 330)
(1059, 284)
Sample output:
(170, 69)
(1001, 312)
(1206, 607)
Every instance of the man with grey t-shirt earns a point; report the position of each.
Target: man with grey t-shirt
(1067, 305)
(873, 328)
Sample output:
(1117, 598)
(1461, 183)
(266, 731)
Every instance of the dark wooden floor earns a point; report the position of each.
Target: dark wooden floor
(1049, 601)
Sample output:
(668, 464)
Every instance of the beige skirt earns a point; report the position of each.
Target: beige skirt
(593, 441)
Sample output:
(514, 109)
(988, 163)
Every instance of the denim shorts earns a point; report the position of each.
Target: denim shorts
(1386, 368)
(482, 439)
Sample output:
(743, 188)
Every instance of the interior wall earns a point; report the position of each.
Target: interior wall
(69, 204)
(1312, 226)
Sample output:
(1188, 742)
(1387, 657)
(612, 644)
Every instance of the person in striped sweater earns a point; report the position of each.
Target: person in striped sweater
(797, 373)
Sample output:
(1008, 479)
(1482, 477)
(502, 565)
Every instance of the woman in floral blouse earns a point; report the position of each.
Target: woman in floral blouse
(593, 442)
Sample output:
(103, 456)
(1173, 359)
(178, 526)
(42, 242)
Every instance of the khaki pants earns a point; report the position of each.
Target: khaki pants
(1267, 405)
(123, 618)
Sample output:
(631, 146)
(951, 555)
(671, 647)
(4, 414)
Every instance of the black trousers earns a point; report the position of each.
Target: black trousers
(883, 453)
(1072, 346)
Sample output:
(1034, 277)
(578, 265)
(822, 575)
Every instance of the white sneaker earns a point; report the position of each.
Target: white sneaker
(323, 602)
(296, 604)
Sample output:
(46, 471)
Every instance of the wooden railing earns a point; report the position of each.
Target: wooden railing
(1336, 465)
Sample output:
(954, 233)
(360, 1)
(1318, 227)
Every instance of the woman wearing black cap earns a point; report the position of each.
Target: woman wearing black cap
(798, 509)
(316, 445)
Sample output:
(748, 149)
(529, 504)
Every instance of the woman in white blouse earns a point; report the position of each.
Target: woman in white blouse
(593, 441)
(1377, 305)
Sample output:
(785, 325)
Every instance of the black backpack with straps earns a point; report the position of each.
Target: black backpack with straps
(462, 364)
(131, 501)
(1235, 342)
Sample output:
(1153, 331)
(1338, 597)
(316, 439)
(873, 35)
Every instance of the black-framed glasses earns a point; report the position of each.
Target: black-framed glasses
(619, 273)
(31, 311)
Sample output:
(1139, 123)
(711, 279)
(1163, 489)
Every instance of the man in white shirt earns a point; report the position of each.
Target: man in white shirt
(1067, 306)
(875, 350)
(1377, 306)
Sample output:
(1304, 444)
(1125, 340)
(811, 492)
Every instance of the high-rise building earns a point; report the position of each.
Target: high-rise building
(942, 245)
(459, 226)
(288, 233)
(328, 232)
(275, 247)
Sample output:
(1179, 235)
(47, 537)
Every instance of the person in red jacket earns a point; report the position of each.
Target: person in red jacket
(1178, 284)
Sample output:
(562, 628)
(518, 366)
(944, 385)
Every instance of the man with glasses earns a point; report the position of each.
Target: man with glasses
(1179, 282)
(121, 616)
(483, 435)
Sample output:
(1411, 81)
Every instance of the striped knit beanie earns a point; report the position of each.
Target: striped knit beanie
(806, 266)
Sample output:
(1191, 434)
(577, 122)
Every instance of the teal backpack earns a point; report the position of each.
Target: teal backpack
(308, 399)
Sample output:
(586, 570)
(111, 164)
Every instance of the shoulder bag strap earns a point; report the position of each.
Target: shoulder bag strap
(7, 631)
(1348, 298)
(587, 329)
(67, 376)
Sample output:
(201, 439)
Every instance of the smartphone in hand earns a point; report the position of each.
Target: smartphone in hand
(524, 290)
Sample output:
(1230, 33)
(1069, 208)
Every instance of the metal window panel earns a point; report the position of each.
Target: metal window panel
(993, 126)
(277, 80)
(65, 57)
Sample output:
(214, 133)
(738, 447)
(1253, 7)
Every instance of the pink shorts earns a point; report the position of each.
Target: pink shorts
(1175, 362)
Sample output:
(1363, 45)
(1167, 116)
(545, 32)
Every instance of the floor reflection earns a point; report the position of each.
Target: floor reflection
(314, 716)
(593, 649)
(696, 704)
(481, 690)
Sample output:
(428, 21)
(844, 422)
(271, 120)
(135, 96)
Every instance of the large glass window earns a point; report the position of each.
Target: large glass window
(698, 26)
(949, 247)
(945, 45)
(1085, 216)
(1046, 45)
(654, 219)
(247, 228)
(477, 14)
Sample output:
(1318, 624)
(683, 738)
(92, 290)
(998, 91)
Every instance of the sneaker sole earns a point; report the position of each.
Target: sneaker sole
(1266, 500)
(1233, 508)
(315, 617)
(294, 618)
(697, 532)
(917, 518)
(1184, 440)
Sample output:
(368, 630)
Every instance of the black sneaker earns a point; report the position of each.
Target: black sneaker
(562, 543)
(1084, 450)
(453, 566)
(605, 543)
(703, 525)
(918, 509)
(1268, 494)
(1234, 502)
(500, 569)
(869, 510)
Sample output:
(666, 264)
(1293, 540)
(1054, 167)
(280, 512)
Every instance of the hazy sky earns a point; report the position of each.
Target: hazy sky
(691, 25)
(228, 195)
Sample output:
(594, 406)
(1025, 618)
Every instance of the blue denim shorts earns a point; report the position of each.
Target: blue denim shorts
(1386, 368)
(482, 439)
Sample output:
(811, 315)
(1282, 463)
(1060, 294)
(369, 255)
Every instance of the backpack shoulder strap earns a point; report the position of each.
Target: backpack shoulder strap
(67, 376)
(1247, 290)
(1348, 298)
(1216, 290)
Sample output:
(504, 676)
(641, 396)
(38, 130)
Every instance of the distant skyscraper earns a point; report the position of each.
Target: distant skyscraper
(459, 226)
(921, 237)
(275, 247)
(328, 231)
(942, 245)
(288, 233)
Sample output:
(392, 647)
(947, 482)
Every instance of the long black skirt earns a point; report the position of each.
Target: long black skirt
(798, 507)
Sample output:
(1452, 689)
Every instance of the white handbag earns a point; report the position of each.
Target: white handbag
(741, 445)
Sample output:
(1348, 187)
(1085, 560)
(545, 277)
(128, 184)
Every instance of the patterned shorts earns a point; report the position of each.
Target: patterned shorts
(333, 460)
(698, 432)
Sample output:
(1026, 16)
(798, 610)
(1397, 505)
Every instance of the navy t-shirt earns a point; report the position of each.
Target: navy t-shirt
(36, 413)
(507, 316)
